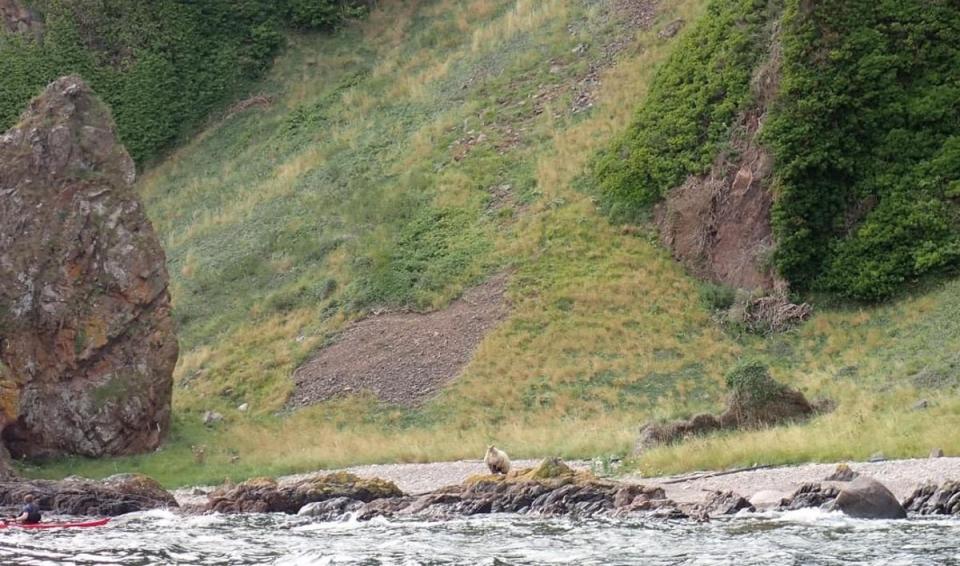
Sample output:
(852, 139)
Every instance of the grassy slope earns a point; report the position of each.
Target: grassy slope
(281, 222)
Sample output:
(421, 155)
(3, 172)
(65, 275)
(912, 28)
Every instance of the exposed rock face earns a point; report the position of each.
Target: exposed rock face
(116, 495)
(866, 498)
(718, 224)
(931, 499)
(87, 346)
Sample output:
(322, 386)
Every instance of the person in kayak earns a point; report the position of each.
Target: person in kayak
(30, 513)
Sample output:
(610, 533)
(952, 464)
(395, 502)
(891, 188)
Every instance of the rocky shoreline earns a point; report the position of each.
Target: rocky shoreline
(442, 491)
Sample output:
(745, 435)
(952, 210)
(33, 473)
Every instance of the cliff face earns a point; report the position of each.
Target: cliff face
(86, 340)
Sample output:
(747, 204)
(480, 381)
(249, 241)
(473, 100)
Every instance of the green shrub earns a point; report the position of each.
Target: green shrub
(866, 144)
(323, 14)
(689, 110)
(750, 382)
(716, 297)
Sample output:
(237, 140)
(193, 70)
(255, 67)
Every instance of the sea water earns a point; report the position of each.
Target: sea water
(808, 537)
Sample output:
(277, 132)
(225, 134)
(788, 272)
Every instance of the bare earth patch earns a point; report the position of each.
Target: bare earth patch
(402, 358)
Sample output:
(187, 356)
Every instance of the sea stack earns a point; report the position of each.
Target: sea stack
(87, 343)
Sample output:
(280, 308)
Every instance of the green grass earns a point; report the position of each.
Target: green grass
(354, 189)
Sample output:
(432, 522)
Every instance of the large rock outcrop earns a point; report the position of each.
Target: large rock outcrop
(87, 345)
(115, 495)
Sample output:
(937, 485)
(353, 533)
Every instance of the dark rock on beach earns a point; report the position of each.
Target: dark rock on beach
(116, 495)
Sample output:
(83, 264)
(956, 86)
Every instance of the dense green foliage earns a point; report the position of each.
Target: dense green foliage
(867, 145)
(161, 66)
(864, 133)
(688, 113)
(750, 381)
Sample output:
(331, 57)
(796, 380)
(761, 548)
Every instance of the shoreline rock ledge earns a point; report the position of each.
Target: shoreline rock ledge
(549, 489)
(87, 344)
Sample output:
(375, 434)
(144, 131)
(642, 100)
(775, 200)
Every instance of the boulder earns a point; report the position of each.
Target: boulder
(116, 495)
(866, 498)
(842, 473)
(211, 418)
(671, 29)
(87, 344)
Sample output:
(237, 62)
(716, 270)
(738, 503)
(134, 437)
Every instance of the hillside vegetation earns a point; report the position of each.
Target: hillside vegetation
(864, 132)
(401, 160)
(163, 66)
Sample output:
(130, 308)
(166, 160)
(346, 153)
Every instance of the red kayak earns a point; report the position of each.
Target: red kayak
(64, 525)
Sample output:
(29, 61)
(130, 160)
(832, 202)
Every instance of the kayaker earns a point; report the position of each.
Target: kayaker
(30, 513)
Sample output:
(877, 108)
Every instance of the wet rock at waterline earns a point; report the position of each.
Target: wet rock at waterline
(861, 497)
(87, 346)
(550, 489)
(931, 499)
(866, 498)
(116, 495)
(266, 495)
(726, 503)
(810, 495)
